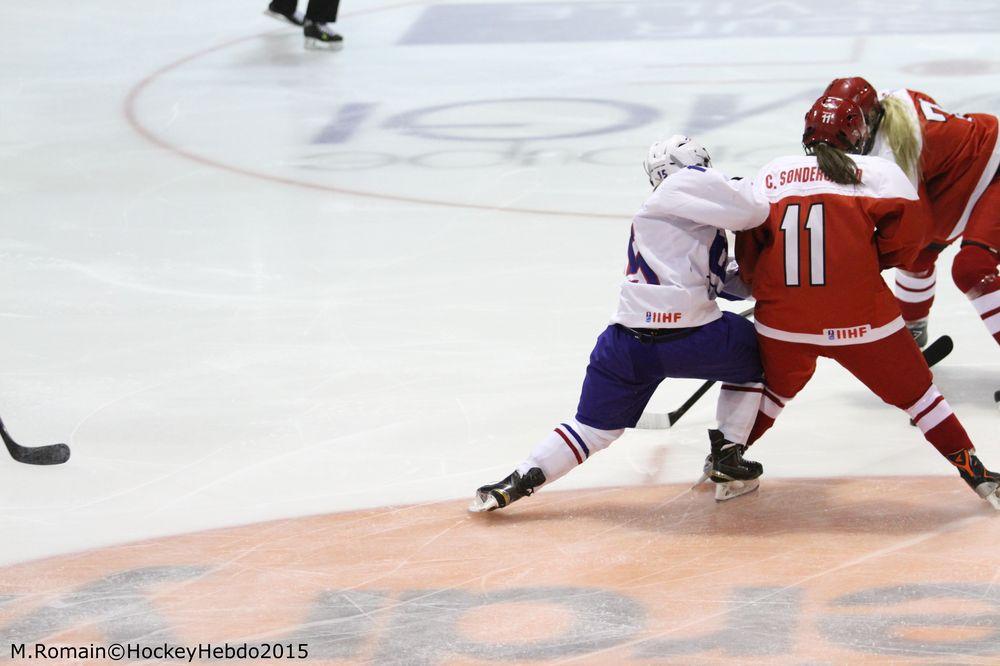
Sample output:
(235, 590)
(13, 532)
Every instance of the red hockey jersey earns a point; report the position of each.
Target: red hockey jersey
(959, 156)
(815, 263)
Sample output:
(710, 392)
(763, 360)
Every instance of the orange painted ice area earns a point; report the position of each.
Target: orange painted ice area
(838, 571)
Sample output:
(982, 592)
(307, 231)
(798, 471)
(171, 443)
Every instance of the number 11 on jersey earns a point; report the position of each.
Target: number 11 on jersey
(790, 225)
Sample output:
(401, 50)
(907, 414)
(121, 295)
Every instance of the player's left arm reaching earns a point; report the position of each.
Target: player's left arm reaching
(708, 197)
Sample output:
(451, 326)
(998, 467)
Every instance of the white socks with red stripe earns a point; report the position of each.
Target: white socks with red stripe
(567, 446)
(737, 409)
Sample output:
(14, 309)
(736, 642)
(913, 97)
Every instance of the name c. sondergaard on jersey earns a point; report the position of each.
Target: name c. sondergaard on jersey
(815, 264)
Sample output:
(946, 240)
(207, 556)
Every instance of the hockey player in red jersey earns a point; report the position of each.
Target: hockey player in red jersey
(836, 220)
(953, 160)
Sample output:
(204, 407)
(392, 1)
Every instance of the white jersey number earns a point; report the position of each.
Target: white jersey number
(935, 113)
(817, 247)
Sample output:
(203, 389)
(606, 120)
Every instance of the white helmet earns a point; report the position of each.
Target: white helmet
(671, 155)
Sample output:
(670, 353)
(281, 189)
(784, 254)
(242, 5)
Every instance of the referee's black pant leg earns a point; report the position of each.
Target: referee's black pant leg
(283, 6)
(322, 11)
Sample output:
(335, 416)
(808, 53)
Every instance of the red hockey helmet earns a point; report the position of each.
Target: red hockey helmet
(837, 122)
(859, 91)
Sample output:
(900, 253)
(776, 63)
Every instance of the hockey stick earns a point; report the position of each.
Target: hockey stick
(933, 353)
(936, 351)
(53, 454)
(652, 421)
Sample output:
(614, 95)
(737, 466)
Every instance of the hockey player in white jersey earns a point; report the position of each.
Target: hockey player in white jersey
(667, 324)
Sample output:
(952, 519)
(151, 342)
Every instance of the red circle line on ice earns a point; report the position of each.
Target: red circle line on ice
(860, 571)
(132, 117)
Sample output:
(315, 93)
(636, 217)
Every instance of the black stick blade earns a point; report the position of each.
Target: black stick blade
(938, 350)
(54, 454)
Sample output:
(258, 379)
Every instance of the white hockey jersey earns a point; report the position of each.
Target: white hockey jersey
(678, 253)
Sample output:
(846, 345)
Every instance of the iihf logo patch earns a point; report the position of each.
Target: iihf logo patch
(849, 333)
(663, 317)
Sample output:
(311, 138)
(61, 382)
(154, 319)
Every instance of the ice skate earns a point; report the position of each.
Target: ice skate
(275, 11)
(918, 329)
(498, 495)
(984, 482)
(732, 475)
(320, 37)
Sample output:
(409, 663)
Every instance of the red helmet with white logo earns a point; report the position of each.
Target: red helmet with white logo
(859, 91)
(837, 122)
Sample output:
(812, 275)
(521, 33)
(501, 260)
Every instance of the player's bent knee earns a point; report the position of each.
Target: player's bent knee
(923, 265)
(973, 265)
(772, 404)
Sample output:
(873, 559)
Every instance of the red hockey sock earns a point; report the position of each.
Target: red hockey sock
(949, 436)
(975, 273)
(771, 405)
(916, 284)
(933, 415)
(915, 293)
(760, 426)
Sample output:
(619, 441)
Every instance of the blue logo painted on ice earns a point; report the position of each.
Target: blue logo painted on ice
(516, 119)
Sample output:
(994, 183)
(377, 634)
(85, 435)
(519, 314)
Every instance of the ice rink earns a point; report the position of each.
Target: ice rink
(247, 283)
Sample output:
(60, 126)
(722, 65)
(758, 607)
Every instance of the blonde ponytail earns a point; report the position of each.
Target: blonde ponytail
(835, 163)
(902, 134)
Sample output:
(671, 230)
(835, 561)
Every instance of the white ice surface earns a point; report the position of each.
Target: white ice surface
(220, 345)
